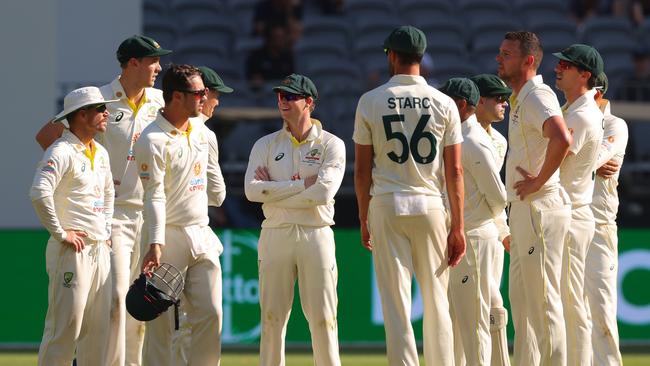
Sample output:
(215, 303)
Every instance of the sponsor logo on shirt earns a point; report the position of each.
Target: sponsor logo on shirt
(67, 279)
(119, 116)
(279, 156)
(49, 166)
(313, 156)
(197, 168)
(98, 206)
(144, 175)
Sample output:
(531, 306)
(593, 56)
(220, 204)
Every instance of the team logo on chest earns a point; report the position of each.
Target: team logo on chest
(313, 156)
(197, 168)
(197, 183)
(67, 279)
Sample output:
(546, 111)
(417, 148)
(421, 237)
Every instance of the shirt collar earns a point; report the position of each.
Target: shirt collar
(405, 79)
(119, 93)
(581, 100)
(469, 123)
(315, 132)
(528, 86)
(172, 131)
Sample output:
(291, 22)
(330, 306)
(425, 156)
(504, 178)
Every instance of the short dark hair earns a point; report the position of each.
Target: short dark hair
(176, 78)
(591, 82)
(529, 45)
(408, 58)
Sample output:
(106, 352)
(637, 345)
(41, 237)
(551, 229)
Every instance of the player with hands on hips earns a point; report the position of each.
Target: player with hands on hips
(407, 143)
(73, 194)
(295, 173)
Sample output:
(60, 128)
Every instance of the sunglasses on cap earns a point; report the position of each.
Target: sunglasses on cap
(289, 97)
(565, 65)
(100, 108)
(197, 93)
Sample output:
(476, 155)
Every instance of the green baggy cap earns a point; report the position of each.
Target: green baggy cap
(212, 80)
(139, 46)
(298, 84)
(584, 56)
(406, 39)
(462, 88)
(491, 85)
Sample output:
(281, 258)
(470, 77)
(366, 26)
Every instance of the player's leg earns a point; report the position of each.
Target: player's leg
(67, 295)
(392, 259)
(204, 308)
(498, 314)
(277, 276)
(124, 235)
(317, 278)
(92, 344)
(181, 339)
(578, 324)
(525, 343)
(134, 330)
(428, 240)
(157, 349)
(541, 269)
(469, 288)
(600, 287)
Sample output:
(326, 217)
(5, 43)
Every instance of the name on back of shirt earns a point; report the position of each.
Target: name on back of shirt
(408, 102)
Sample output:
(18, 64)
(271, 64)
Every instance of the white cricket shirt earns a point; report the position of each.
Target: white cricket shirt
(285, 201)
(408, 123)
(605, 199)
(80, 189)
(585, 122)
(124, 126)
(529, 109)
(176, 171)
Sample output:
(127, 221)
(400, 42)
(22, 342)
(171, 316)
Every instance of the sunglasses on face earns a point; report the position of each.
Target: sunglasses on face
(565, 65)
(197, 93)
(100, 108)
(290, 97)
(501, 98)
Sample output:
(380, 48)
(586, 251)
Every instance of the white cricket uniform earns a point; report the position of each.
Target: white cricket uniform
(585, 122)
(602, 256)
(179, 175)
(538, 224)
(125, 123)
(470, 283)
(409, 123)
(296, 240)
(73, 190)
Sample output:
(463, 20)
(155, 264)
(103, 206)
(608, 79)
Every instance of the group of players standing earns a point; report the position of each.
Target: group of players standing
(431, 204)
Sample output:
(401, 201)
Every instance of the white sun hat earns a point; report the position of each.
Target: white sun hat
(80, 98)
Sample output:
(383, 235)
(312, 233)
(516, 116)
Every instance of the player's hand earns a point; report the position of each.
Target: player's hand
(151, 260)
(309, 181)
(528, 185)
(608, 169)
(365, 235)
(261, 173)
(75, 239)
(455, 246)
(506, 243)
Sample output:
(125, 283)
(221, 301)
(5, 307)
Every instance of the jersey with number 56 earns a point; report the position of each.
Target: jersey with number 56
(408, 123)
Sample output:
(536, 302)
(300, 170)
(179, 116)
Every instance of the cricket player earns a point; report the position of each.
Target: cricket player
(295, 173)
(602, 255)
(176, 170)
(539, 207)
(576, 73)
(138, 105)
(491, 108)
(406, 132)
(471, 284)
(181, 339)
(72, 194)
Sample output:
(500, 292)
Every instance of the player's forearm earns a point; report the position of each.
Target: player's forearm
(44, 207)
(270, 191)
(363, 179)
(555, 152)
(454, 183)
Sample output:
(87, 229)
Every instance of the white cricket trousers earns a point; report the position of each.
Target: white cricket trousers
(538, 231)
(308, 255)
(470, 295)
(404, 246)
(601, 290)
(126, 334)
(202, 303)
(574, 301)
(79, 297)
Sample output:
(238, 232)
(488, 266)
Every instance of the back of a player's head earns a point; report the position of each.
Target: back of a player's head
(408, 43)
(529, 45)
(177, 78)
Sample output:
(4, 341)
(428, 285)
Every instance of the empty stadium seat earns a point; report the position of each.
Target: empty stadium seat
(357, 9)
(416, 11)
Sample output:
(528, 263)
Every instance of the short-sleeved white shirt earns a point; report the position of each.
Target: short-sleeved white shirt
(123, 130)
(605, 199)
(529, 109)
(585, 122)
(408, 123)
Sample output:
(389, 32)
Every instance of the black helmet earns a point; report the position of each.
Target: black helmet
(148, 297)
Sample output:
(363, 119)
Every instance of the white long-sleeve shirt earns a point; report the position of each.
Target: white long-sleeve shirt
(285, 201)
(500, 145)
(73, 190)
(605, 199)
(585, 122)
(485, 194)
(179, 175)
(125, 124)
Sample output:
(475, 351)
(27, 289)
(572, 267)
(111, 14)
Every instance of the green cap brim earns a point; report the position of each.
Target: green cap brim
(562, 57)
(222, 89)
(288, 89)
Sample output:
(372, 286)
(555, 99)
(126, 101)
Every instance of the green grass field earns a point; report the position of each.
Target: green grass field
(247, 359)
